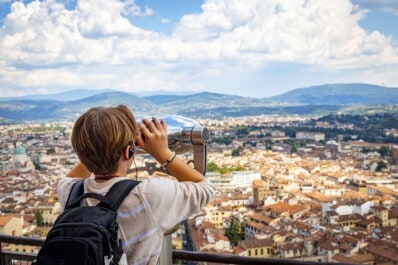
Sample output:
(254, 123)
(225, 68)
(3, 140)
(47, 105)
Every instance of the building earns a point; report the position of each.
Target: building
(217, 215)
(254, 247)
(244, 179)
(10, 225)
(49, 212)
(315, 136)
(220, 182)
(20, 161)
(260, 191)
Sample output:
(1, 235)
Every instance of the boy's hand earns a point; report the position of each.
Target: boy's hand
(152, 137)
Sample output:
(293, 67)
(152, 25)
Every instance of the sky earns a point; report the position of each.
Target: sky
(250, 48)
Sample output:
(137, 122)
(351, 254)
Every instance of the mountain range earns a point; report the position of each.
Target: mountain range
(316, 100)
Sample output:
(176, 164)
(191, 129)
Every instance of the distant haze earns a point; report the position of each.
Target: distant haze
(331, 98)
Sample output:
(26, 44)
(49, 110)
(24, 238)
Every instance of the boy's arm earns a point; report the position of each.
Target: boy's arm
(79, 171)
(152, 137)
(182, 171)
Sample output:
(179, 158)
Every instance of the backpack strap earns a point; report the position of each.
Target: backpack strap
(103, 200)
(118, 192)
(76, 191)
(116, 195)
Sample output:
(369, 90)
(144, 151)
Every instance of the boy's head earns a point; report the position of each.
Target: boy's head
(101, 135)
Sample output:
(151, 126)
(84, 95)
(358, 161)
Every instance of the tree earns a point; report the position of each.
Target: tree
(37, 166)
(222, 140)
(384, 151)
(235, 152)
(212, 167)
(236, 232)
(50, 151)
(39, 218)
(242, 131)
(293, 149)
(380, 166)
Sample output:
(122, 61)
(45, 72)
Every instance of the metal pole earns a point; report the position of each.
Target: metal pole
(166, 255)
(1, 254)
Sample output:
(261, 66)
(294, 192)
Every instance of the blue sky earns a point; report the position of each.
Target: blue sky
(254, 48)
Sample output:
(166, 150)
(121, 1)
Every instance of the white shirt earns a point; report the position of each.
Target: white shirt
(153, 207)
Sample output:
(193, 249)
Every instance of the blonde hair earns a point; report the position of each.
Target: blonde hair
(100, 136)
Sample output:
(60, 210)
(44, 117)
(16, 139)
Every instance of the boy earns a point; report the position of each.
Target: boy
(104, 140)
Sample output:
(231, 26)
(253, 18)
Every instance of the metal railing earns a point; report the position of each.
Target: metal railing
(12, 257)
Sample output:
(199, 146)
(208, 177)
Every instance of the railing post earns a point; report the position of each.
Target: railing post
(166, 253)
(1, 254)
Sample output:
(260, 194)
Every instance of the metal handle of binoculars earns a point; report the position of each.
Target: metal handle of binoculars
(197, 137)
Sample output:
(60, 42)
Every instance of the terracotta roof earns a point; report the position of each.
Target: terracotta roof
(279, 207)
(393, 213)
(328, 245)
(363, 258)
(4, 219)
(344, 246)
(387, 252)
(350, 239)
(260, 218)
(293, 246)
(207, 225)
(342, 259)
(255, 243)
(258, 226)
(390, 232)
(259, 183)
(367, 222)
(238, 249)
(350, 217)
(8, 200)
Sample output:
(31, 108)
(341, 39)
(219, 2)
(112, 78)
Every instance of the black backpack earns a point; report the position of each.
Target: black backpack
(86, 235)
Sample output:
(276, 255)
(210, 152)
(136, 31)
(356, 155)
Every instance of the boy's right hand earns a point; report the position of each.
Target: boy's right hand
(152, 137)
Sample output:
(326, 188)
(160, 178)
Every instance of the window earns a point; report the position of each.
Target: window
(255, 252)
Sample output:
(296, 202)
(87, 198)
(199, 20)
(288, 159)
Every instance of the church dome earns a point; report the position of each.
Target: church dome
(19, 150)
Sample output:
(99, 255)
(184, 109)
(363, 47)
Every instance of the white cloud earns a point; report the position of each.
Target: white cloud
(96, 45)
(165, 20)
(386, 5)
(130, 8)
(315, 32)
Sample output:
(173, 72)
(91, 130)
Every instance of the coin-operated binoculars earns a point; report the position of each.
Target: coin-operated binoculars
(191, 138)
(184, 136)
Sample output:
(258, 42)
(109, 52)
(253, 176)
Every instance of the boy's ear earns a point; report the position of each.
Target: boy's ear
(129, 152)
